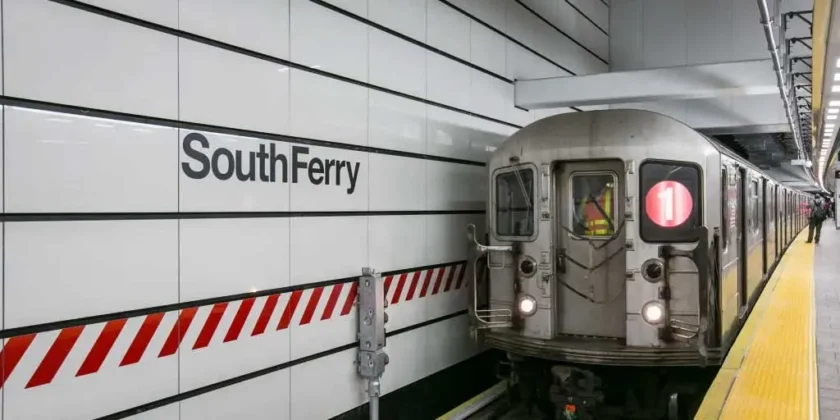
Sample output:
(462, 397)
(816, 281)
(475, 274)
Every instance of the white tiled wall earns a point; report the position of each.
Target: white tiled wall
(380, 97)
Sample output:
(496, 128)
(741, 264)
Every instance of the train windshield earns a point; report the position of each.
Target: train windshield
(515, 203)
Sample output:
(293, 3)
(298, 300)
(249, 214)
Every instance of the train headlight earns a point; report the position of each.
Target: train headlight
(653, 270)
(653, 313)
(527, 305)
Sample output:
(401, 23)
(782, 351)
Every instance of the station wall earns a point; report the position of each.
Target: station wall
(190, 188)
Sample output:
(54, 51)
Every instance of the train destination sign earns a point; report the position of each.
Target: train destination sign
(265, 165)
(668, 204)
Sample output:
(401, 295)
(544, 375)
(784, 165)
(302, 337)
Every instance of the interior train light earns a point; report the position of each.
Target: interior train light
(653, 312)
(652, 270)
(527, 305)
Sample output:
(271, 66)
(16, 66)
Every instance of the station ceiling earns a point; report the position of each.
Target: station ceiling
(714, 67)
(826, 104)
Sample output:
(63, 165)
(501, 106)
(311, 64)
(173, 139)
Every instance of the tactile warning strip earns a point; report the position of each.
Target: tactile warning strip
(772, 366)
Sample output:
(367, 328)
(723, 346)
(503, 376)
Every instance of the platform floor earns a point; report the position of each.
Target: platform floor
(785, 364)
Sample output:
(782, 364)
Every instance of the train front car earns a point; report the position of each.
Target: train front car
(598, 254)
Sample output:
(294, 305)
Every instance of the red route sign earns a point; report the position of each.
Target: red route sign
(668, 204)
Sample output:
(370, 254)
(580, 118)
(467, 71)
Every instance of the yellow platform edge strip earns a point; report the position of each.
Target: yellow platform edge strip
(760, 378)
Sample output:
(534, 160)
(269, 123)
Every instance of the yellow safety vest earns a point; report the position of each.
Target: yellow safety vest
(598, 225)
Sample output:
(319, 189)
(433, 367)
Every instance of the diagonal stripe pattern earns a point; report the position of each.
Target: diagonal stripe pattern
(315, 304)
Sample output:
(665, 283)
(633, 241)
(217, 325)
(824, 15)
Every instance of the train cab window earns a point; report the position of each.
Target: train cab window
(593, 198)
(515, 203)
(670, 201)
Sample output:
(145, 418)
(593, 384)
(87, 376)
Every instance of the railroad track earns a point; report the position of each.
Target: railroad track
(492, 404)
(488, 405)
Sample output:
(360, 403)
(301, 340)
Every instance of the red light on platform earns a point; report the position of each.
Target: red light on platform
(668, 204)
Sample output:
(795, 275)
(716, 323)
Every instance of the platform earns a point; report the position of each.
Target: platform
(785, 364)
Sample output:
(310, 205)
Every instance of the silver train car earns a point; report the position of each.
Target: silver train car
(624, 238)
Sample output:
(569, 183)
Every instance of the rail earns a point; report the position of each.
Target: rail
(481, 406)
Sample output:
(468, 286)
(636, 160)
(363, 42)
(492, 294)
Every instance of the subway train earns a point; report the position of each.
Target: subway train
(622, 246)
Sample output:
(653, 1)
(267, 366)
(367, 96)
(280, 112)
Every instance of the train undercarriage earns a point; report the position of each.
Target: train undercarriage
(550, 390)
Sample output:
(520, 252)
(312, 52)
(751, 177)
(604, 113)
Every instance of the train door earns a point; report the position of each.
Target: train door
(788, 218)
(742, 239)
(591, 263)
(777, 226)
(765, 216)
(785, 222)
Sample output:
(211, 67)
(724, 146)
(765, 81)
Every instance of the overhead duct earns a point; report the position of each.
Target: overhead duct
(778, 69)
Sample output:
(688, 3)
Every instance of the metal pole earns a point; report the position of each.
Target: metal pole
(373, 392)
(371, 334)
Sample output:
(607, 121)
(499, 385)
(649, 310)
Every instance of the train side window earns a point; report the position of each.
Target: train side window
(515, 203)
(670, 201)
(593, 198)
(724, 208)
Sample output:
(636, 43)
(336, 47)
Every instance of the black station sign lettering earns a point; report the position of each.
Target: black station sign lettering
(266, 165)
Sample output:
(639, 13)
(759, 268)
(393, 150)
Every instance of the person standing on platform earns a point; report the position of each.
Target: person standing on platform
(816, 216)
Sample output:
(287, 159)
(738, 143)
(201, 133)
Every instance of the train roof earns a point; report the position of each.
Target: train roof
(558, 121)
